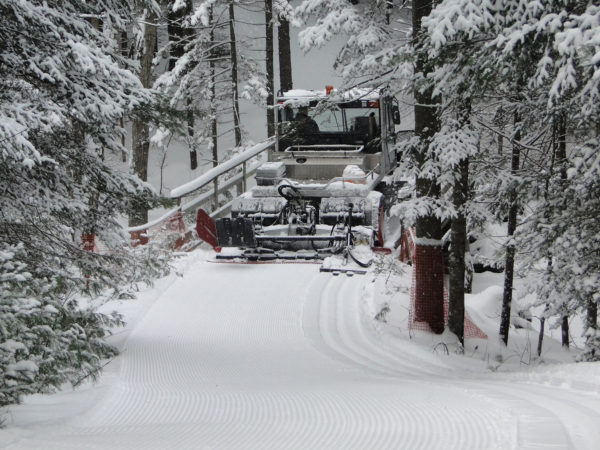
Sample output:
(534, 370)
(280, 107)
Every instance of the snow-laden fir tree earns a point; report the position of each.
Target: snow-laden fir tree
(63, 91)
(208, 68)
(375, 31)
(144, 50)
(540, 63)
(381, 50)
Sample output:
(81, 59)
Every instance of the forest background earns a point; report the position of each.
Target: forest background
(505, 96)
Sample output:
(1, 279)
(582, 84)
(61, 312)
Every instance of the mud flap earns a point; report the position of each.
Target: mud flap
(205, 227)
(238, 232)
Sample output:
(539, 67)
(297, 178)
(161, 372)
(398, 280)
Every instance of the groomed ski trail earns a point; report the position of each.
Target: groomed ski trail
(283, 357)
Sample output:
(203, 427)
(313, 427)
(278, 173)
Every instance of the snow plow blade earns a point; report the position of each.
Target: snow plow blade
(237, 232)
(238, 239)
(265, 254)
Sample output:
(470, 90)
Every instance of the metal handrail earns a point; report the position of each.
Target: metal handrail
(336, 149)
(219, 170)
(212, 176)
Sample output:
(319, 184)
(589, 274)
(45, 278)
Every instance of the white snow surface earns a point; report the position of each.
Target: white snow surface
(336, 95)
(281, 356)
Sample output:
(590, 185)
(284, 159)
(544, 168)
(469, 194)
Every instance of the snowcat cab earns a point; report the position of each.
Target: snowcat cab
(322, 187)
(304, 122)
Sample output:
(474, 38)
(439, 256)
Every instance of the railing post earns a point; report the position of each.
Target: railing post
(216, 193)
(241, 186)
(244, 176)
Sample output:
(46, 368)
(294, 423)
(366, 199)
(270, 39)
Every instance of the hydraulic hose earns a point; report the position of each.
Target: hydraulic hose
(357, 261)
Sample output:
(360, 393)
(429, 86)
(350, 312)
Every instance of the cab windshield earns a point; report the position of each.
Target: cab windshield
(333, 119)
(328, 124)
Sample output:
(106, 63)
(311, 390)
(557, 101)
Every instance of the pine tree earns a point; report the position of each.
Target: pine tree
(373, 47)
(269, 67)
(285, 58)
(285, 16)
(380, 53)
(140, 129)
(63, 91)
(206, 77)
(235, 92)
(538, 60)
(180, 35)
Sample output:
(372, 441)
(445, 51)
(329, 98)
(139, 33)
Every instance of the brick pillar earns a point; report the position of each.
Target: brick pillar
(429, 286)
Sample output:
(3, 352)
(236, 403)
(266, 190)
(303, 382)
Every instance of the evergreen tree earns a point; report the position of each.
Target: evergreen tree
(373, 44)
(205, 78)
(285, 53)
(140, 128)
(379, 53)
(537, 62)
(63, 91)
(269, 67)
(520, 66)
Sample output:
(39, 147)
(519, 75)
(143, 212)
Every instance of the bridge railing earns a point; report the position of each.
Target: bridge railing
(212, 176)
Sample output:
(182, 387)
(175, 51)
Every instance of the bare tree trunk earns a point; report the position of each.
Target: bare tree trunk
(389, 7)
(122, 124)
(269, 66)
(285, 56)
(508, 276)
(561, 160)
(234, 78)
(456, 306)
(541, 336)
(140, 132)
(509, 265)
(213, 108)
(458, 231)
(191, 131)
(592, 342)
(548, 217)
(429, 299)
(500, 124)
(179, 36)
(426, 125)
(564, 331)
(592, 314)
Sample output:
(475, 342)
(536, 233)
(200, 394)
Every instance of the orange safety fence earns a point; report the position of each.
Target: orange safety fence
(428, 284)
(173, 226)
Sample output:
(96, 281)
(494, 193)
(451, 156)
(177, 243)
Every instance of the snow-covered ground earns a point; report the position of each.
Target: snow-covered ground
(281, 356)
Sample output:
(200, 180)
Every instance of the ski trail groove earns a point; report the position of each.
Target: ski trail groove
(284, 357)
(564, 415)
(344, 336)
(342, 333)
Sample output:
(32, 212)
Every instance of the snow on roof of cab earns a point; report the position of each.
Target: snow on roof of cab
(351, 94)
